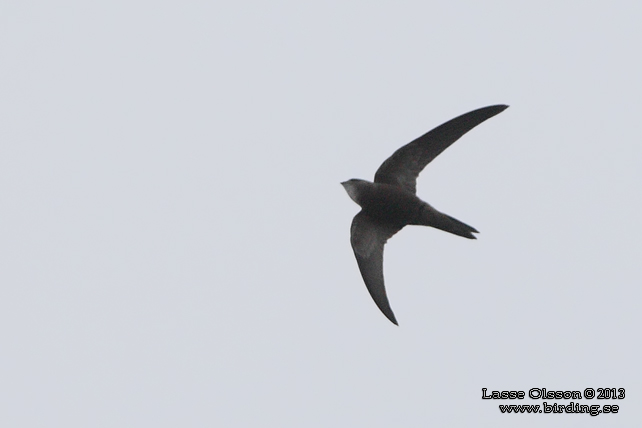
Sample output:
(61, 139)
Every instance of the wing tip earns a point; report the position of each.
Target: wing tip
(392, 318)
(497, 108)
(385, 309)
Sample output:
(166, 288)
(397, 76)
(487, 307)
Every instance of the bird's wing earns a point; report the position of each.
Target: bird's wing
(368, 237)
(403, 167)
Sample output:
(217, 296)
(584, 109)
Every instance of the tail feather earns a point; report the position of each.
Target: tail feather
(438, 220)
(452, 225)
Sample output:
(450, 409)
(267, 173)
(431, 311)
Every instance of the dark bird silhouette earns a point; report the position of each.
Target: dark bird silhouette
(390, 203)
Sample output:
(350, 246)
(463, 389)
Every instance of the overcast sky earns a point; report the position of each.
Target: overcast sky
(174, 240)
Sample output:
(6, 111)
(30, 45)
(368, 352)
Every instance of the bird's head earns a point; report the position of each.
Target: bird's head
(355, 188)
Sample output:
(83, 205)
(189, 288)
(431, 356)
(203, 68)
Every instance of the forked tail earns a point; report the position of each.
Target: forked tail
(433, 218)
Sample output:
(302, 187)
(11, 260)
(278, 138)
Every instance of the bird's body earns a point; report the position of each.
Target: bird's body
(386, 202)
(390, 203)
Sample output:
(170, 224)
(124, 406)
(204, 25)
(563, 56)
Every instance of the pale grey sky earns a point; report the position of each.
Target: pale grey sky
(174, 240)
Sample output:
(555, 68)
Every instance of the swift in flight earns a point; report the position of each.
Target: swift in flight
(391, 202)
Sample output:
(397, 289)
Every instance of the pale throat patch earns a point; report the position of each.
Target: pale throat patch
(351, 188)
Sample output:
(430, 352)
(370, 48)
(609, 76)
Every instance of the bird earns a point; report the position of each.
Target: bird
(390, 202)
